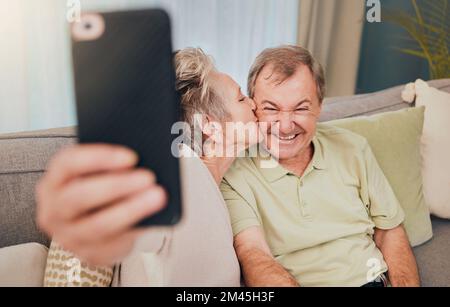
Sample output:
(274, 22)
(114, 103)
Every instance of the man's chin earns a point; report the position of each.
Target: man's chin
(281, 153)
(285, 156)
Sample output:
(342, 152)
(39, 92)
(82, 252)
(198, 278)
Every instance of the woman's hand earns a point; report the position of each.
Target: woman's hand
(92, 197)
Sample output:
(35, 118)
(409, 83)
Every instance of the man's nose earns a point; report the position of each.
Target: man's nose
(286, 122)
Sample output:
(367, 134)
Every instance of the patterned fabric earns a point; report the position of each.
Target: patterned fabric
(63, 269)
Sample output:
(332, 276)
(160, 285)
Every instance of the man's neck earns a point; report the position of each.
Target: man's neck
(299, 163)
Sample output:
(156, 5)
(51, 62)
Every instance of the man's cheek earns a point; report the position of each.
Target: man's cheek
(308, 125)
(267, 127)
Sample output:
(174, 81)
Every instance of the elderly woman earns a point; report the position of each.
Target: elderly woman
(92, 196)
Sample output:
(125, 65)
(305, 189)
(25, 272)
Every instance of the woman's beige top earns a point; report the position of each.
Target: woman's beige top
(197, 252)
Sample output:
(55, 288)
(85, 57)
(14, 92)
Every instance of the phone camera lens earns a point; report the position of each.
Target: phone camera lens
(88, 26)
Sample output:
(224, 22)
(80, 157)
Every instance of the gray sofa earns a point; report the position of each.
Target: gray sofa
(23, 159)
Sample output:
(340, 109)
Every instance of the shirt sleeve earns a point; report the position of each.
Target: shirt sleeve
(384, 207)
(242, 214)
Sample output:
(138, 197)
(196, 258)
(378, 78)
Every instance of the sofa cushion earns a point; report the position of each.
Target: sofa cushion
(395, 140)
(22, 265)
(435, 148)
(23, 159)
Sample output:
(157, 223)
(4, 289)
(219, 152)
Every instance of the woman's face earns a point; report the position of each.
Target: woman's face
(241, 110)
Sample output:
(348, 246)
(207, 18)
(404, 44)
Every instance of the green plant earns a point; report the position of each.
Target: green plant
(428, 33)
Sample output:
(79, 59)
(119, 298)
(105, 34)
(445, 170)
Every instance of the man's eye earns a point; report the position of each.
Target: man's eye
(270, 109)
(302, 109)
(242, 99)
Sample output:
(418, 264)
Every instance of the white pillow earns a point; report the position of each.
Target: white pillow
(435, 145)
(23, 265)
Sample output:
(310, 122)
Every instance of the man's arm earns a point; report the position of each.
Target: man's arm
(397, 253)
(259, 267)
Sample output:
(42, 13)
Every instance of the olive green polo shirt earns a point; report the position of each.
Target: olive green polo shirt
(318, 226)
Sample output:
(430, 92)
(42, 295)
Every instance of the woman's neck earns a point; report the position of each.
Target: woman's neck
(218, 166)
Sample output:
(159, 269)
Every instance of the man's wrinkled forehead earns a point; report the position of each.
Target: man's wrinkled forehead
(298, 82)
(271, 75)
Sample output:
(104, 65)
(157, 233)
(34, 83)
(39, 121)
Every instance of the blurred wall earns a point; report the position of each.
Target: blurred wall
(381, 66)
(331, 30)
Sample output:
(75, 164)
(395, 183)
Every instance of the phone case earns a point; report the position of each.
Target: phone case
(125, 92)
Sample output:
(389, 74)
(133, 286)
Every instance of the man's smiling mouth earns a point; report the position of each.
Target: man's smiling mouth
(288, 138)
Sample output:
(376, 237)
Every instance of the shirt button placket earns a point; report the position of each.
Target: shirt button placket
(303, 204)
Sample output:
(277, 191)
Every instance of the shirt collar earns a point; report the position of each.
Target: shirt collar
(272, 170)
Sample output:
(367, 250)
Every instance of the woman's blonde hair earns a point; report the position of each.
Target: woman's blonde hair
(194, 69)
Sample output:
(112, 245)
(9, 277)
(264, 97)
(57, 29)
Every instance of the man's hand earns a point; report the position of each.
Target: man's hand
(402, 266)
(90, 199)
(259, 267)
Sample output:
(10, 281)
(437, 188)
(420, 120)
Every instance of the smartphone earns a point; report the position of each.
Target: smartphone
(125, 92)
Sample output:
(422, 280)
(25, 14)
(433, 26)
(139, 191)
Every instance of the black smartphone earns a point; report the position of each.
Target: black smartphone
(125, 92)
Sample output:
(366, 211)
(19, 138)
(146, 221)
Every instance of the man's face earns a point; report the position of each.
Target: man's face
(290, 110)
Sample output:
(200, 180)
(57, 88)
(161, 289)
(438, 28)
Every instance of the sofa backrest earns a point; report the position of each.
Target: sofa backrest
(23, 160)
(24, 156)
(368, 104)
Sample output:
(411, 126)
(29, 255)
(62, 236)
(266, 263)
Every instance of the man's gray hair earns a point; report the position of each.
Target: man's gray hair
(285, 61)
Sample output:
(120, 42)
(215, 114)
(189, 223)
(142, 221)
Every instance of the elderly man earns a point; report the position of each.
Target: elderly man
(325, 214)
